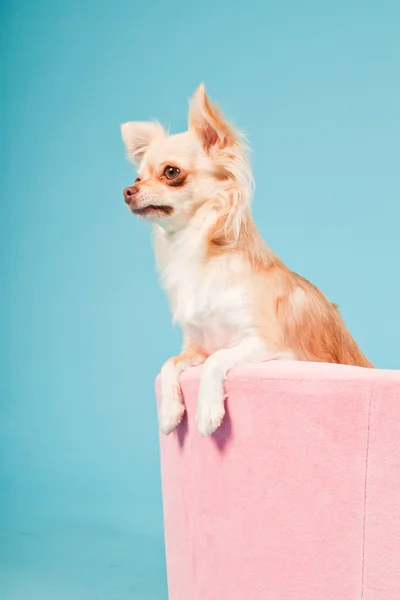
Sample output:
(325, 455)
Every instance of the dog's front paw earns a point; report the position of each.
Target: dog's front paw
(171, 414)
(209, 418)
(211, 409)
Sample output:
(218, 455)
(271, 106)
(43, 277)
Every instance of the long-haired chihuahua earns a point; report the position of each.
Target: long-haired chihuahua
(234, 299)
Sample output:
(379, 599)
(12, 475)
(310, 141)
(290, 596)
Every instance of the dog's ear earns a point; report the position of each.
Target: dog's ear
(137, 137)
(208, 124)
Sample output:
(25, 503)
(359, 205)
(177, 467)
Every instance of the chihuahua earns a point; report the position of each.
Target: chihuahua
(234, 299)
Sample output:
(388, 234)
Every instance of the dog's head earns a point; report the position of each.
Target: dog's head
(178, 174)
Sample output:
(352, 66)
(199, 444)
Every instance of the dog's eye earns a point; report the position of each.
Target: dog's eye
(171, 172)
(137, 179)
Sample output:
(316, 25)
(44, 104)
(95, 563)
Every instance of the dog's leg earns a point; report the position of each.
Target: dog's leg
(172, 406)
(211, 404)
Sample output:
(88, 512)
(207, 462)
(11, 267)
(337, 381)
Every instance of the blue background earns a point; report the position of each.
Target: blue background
(316, 86)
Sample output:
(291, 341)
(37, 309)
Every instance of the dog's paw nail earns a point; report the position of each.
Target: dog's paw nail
(209, 418)
(170, 417)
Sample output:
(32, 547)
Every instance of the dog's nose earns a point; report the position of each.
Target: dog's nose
(129, 192)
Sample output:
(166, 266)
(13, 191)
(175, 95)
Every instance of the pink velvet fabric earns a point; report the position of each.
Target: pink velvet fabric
(296, 496)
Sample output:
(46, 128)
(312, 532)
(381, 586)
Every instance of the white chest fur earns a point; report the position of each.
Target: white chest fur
(206, 298)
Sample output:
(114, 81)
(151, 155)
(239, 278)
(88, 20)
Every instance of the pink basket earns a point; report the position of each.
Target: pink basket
(296, 496)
